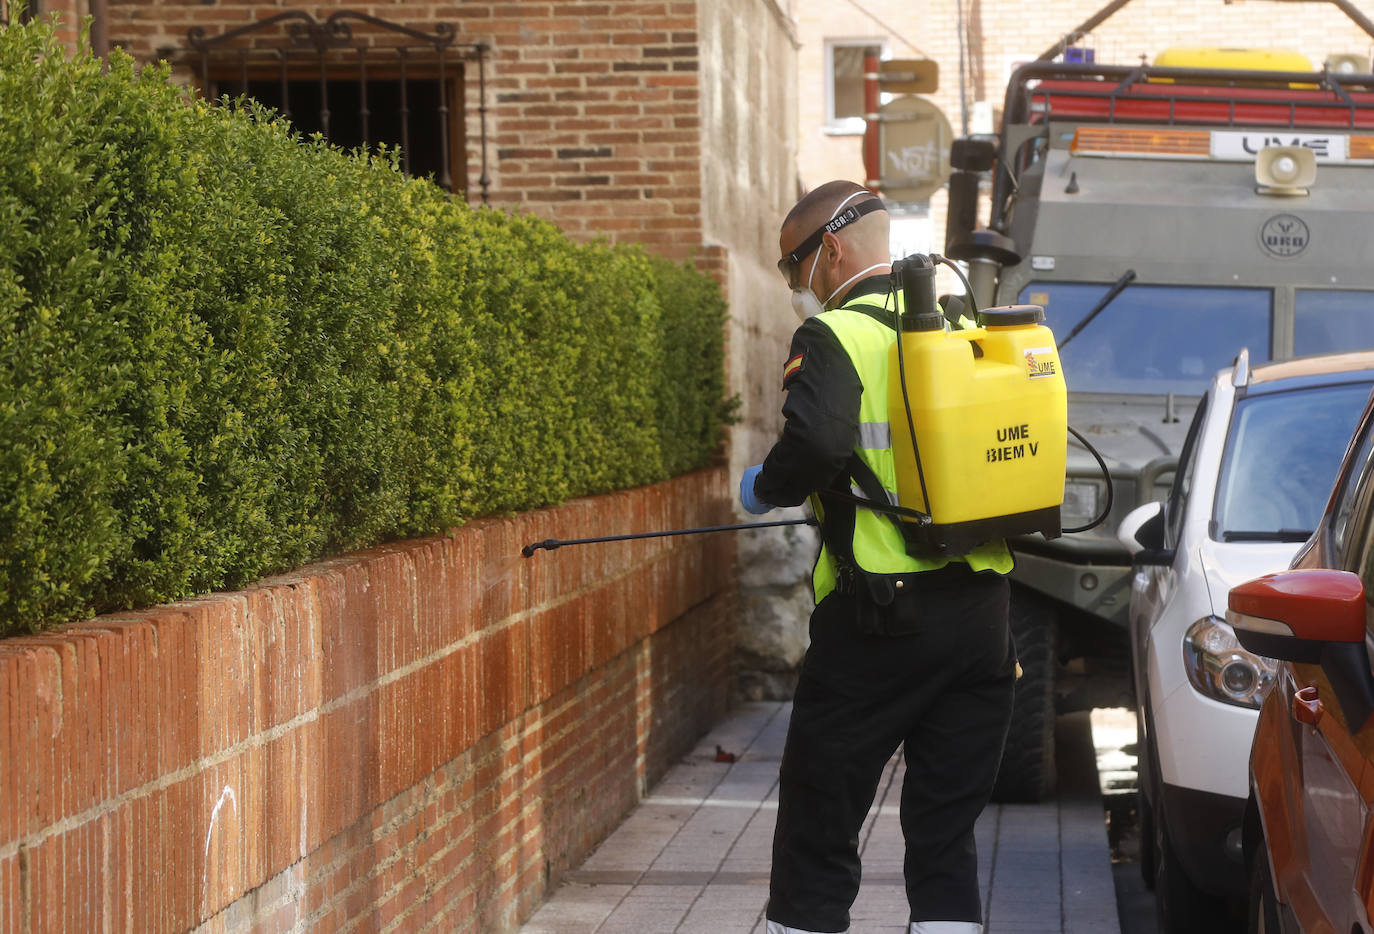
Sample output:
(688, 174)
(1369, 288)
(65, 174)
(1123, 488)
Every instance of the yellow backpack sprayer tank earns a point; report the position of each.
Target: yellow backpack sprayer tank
(979, 421)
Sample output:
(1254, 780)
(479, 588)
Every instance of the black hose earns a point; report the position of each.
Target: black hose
(906, 399)
(968, 289)
(1106, 474)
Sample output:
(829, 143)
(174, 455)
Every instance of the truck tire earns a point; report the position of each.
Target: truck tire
(1027, 771)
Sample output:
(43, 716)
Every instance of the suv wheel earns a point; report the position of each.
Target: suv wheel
(1027, 770)
(1145, 818)
(1145, 812)
(1180, 906)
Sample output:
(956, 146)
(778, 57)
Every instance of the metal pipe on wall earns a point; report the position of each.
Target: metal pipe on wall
(100, 27)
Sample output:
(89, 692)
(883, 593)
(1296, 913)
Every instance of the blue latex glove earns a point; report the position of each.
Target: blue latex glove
(747, 498)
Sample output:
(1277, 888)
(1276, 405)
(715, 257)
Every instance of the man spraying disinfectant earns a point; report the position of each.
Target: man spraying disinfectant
(910, 643)
(917, 456)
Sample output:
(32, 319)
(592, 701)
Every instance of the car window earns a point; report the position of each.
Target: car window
(1331, 320)
(1355, 528)
(1280, 460)
(1350, 506)
(1153, 339)
(1183, 477)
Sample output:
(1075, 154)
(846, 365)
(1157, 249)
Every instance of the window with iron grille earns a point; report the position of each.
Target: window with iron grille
(381, 107)
(389, 84)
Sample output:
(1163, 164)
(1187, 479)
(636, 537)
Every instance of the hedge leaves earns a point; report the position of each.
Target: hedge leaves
(226, 351)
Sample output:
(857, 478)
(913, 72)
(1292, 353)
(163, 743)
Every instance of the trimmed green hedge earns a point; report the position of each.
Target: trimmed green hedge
(226, 351)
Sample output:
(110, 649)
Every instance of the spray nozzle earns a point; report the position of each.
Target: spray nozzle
(916, 276)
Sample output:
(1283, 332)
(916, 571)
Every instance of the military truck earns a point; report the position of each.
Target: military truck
(1165, 216)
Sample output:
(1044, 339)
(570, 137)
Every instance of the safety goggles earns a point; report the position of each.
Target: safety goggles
(790, 265)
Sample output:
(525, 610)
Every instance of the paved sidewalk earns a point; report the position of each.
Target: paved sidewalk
(693, 858)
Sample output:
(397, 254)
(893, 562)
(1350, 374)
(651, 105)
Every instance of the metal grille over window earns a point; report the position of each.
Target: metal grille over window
(359, 81)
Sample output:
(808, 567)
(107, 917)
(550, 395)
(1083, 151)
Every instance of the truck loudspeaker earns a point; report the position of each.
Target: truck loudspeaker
(1285, 170)
(1347, 64)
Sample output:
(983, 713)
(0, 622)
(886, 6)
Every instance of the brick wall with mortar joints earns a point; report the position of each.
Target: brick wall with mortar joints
(593, 106)
(309, 748)
(71, 13)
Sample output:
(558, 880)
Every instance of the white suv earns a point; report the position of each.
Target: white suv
(1253, 479)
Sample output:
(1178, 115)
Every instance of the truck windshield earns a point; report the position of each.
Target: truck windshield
(1153, 338)
(1281, 458)
(1331, 320)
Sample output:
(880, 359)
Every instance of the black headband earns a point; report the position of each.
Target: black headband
(837, 223)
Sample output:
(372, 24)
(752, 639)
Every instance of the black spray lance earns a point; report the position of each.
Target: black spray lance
(552, 543)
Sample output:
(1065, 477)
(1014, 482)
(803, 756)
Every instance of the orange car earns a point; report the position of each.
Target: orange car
(1309, 841)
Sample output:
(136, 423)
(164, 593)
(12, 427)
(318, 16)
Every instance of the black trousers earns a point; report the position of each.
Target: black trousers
(944, 691)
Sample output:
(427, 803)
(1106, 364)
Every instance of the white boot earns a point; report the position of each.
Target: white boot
(776, 928)
(946, 927)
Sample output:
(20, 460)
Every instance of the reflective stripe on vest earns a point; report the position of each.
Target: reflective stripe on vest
(878, 546)
(875, 435)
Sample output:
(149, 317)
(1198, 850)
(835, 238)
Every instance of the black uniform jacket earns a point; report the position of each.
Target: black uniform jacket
(821, 429)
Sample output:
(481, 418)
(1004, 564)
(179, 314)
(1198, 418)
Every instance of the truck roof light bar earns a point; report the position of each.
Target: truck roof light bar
(1125, 141)
(1173, 103)
(1220, 145)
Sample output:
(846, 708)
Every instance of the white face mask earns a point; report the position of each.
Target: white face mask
(804, 301)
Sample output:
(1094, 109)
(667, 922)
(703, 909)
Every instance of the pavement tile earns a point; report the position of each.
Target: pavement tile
(579, 909)
(694, 856)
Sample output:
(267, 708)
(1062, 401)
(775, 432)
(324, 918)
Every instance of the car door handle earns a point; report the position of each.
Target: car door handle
(1307, 707)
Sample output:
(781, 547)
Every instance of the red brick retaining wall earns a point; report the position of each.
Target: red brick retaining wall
(419, 737)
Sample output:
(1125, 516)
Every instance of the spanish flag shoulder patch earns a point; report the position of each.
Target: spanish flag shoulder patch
(791, 369)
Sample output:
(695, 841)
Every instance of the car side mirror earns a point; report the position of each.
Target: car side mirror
(1312, 616)
(1142, 534)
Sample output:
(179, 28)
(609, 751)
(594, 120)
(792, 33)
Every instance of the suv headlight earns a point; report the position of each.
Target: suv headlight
(1220, 668)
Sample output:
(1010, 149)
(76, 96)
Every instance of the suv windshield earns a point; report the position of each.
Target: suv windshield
(1153, 338)
(1281, 458)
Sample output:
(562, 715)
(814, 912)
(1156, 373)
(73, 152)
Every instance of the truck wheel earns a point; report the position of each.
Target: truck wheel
(1027, 770)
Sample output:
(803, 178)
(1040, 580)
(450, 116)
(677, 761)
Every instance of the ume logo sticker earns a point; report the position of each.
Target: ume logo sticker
(1040, 362)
